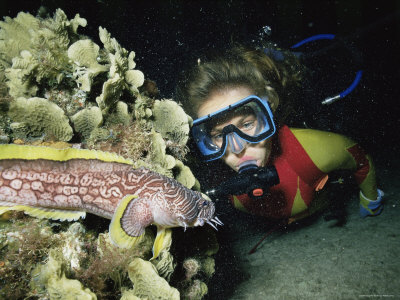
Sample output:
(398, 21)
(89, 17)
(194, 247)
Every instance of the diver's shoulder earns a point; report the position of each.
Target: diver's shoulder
(308, 135)
(309, 132)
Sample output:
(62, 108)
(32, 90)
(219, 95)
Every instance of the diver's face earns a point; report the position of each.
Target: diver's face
(259, 152)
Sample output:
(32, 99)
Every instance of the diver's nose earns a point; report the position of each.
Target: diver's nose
(236, 143)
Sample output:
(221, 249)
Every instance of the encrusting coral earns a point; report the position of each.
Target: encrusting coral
(59, 88)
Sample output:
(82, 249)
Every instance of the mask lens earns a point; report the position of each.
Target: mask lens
(236, 143)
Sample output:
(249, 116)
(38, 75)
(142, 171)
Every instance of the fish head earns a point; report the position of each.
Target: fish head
(206, 212)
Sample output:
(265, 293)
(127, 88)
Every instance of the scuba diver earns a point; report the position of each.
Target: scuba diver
(241, 101)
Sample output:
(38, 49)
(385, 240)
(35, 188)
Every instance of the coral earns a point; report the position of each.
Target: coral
(95, 262)
(36, 117)
(184, 175)
(68, 289)
(129, 141)
(142, 109)
(86, 120)
(15, 36)
(208, 266)
(58, 86)
(165, 264)
(128, 295)
(196, 291)
(24, 242)
(105, 262)
(34, 51)
(122, 75)
(73, 244)
(196, 264)
(84, 53)
(171, 121)
(70, 101)
(192, 267)
(49, 279)
(50, 60)
(5, 100)
(147, 283)
(19, 82)
(120, 114)
(158, 154)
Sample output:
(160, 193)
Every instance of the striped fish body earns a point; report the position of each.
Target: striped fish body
(77, 181)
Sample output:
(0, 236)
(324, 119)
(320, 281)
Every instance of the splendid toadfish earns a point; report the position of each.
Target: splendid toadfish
(65, 184)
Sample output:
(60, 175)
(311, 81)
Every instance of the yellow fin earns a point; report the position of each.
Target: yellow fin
(12, 151)
(162, 242)
(46, 213)
(118, 235)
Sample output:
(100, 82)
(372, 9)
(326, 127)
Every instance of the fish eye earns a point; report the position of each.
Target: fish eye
(205, 203)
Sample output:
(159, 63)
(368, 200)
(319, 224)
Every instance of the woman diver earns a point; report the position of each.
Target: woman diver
(240, 101)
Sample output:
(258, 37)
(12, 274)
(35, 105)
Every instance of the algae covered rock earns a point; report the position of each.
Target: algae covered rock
(36, 117)
(147, 284)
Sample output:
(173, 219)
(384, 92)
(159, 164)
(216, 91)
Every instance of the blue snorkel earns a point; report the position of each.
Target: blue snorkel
(278, 55)
(353, 85)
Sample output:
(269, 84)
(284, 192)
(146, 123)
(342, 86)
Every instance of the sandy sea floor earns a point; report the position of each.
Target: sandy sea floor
(315, 260)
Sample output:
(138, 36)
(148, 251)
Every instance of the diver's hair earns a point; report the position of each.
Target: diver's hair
(241, 66)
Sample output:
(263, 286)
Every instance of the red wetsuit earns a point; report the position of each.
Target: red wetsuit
(303, 158)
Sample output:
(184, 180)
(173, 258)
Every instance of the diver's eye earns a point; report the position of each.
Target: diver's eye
(205, 203)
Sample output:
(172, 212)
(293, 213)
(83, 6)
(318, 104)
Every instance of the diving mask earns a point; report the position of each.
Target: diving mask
(249, 120)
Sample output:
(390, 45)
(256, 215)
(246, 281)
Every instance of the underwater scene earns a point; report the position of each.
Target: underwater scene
(199, 149)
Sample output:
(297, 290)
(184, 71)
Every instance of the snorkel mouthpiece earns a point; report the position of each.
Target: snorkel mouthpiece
(251, 180)
(248, 165)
